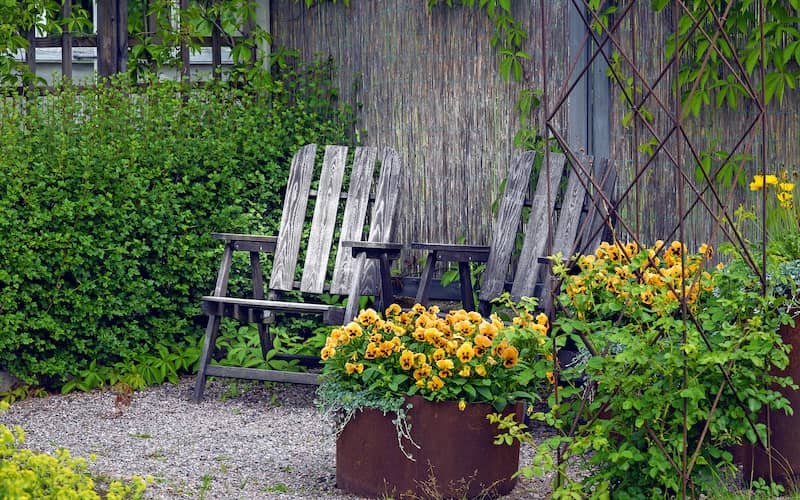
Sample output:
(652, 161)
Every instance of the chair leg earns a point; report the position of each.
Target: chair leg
(212, 331)
(465, 280)
(425, 280)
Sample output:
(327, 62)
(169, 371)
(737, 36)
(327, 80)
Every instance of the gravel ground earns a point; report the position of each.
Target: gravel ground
(243, 441)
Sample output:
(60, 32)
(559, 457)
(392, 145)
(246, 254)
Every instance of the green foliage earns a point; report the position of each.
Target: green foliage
(677, 363)
(376, 363)
(109, 198)
(25, 474)
(17, 19)
(511, 430)
(707, 72)
(154, 50)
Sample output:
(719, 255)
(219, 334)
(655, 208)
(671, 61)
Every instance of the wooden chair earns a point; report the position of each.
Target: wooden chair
(355, 273)
(578, 221)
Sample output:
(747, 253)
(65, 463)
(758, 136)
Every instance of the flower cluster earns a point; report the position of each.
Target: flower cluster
(785, 190)
(459, 356)
(621, 276)
(665, 340)
(781, 217)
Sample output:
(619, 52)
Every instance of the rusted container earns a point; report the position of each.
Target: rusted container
(456, 459)
(785, 429)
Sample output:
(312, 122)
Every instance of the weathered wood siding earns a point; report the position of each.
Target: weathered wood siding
(651, 207)
(430, 87)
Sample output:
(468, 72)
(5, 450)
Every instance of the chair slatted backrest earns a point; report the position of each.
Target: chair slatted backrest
(506, 224)
(295, 204)
(381, 223)
(535, 243)
(324, 219)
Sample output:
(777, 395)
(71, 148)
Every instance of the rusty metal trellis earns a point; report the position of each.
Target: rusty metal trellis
(674, 146)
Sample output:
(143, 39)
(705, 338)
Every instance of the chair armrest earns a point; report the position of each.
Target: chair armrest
(374, 249)
(248, 242)
(455, 252)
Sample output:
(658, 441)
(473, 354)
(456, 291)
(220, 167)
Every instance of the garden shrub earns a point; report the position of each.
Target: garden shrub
(109, 196)
(25, 474)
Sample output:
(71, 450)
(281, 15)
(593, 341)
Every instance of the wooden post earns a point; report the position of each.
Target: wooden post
(112, 37)
(66, 42)
(30, 54)
(263, 19)
(184, 49)
(578, 101)
(216, 49)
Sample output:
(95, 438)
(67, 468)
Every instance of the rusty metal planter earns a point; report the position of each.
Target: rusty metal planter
(456, 457)
(785, 429)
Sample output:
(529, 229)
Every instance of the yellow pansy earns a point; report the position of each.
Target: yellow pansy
(406, 360)
(465, 353)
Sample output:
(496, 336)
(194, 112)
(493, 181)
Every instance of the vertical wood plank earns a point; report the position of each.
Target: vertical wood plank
(597, 217)
(323, 221)
(506, 225)
(569, 216)
(66, 43)
(294, 210)
(535, 244)
(184, 47)
(382, 219)
(568, 220)
(355, 213)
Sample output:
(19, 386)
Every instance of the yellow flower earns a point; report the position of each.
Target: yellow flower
(542, 319)
(393, 310)
(541, 329)
(464, 327)
(786, 186)
(510, 356)
(785, 199)
(439, 354)
(759, 181)
(445, 364)
(353, 329)
(465, 371)
(465, 353)
(480, 370)
(435, 383)
(706, 250)
(327, 353)
(419, 309)
(422, 372)
(474, 316)
(462, 404)
(551, 378)
(367, 317)
(489, 330)
(406, 360)
(372, 351)
(350, 368)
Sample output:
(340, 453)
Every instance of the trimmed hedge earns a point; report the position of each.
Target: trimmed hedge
(108, 199)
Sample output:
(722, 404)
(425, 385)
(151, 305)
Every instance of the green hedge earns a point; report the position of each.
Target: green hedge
(108, 199)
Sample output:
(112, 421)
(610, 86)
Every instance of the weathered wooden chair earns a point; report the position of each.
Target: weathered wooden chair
(578, 223)
(355, 272)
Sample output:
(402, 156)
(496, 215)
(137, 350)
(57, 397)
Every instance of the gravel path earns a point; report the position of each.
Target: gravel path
(243, 441)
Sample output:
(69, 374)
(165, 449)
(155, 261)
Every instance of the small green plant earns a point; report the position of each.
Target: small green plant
(510, 429)
(674, 366)
(25, 474)
(205, 485)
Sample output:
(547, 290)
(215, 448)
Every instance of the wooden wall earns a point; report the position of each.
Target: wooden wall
(429, 85)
